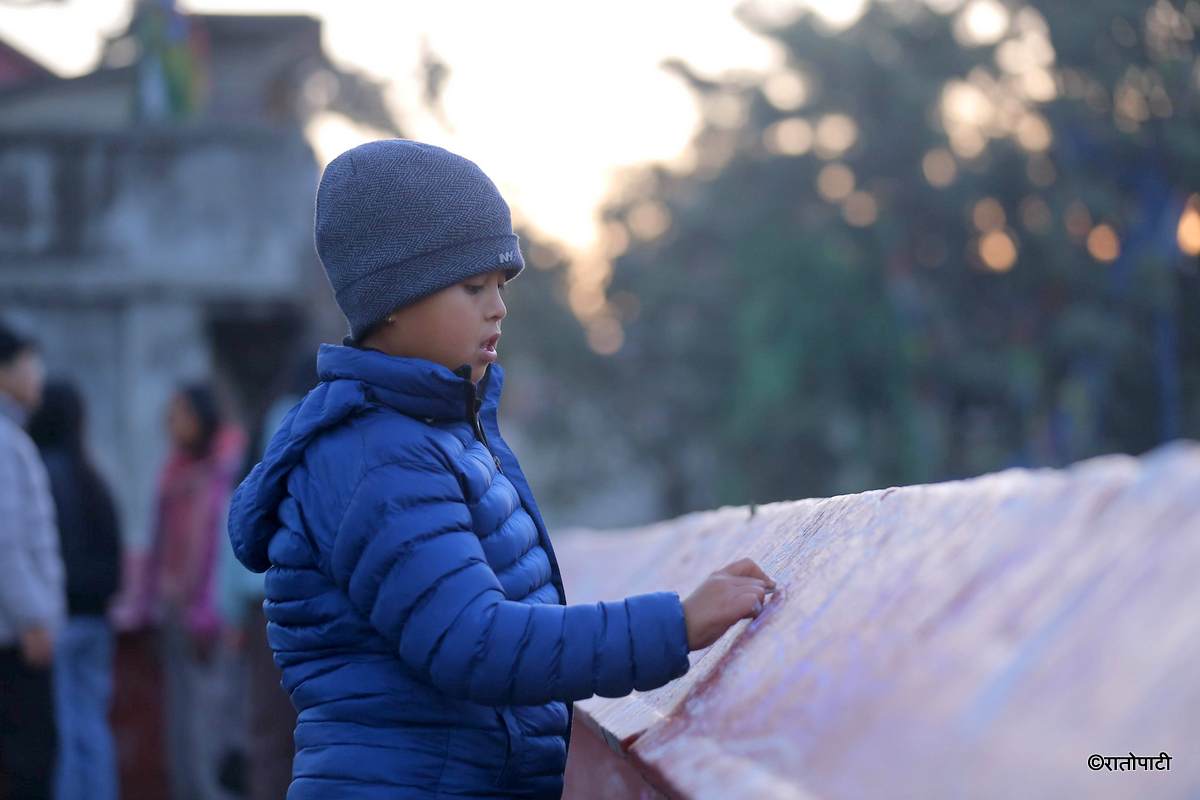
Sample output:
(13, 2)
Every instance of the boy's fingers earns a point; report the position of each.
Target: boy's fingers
(745, 568)
(753, 603)
(749, 592)
(739, 585)
(736, 569)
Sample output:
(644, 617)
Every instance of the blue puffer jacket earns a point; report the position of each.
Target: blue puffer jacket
(414, 602)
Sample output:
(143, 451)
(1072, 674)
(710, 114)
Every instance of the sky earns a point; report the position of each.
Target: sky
(553, 100)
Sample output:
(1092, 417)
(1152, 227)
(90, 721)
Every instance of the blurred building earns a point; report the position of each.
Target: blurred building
(150, 236)
(16, 67)
(251, 70)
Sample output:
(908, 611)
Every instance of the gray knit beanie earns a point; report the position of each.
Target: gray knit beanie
(398, 220)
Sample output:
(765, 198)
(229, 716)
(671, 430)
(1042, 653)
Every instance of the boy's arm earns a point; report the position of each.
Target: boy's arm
(409, 560)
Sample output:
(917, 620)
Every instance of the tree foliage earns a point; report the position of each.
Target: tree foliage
(988, 276)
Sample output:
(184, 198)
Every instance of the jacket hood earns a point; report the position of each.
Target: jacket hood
(352, 381)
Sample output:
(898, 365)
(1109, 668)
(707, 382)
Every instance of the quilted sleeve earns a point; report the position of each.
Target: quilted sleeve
(408, 559)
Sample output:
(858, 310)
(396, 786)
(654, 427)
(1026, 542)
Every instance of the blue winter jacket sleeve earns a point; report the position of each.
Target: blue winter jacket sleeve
(408, 558)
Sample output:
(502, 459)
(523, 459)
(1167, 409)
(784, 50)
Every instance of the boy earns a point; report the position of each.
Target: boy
(414, 603)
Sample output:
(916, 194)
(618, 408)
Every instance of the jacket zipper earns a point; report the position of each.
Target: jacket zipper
(473, 404)
(483, 438)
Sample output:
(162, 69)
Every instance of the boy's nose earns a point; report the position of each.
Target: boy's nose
(499, 311)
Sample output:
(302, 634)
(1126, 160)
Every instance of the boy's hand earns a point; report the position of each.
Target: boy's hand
(731, 593)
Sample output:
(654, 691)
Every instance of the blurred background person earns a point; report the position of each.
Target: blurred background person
(180, 585)
(270, 715)
(31, 580)
(91, 551)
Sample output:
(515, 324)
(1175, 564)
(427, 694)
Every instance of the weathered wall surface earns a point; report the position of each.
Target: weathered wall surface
(208, 213)
(120, 252)
(980, 638)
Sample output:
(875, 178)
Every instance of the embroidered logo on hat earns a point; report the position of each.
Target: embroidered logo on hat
(507, 257)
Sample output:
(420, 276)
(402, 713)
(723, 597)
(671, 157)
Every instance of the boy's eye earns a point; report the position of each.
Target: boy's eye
(476, 288)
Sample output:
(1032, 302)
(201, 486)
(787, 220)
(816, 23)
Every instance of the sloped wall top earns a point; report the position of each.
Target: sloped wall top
(980, 638)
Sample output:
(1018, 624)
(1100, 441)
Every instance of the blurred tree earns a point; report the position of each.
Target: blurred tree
(933, 245)
(552, 399)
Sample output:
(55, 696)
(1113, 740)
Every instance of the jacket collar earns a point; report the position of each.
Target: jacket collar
(413, 386)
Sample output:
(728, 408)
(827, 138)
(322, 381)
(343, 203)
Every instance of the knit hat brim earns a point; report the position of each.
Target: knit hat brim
(393, 286)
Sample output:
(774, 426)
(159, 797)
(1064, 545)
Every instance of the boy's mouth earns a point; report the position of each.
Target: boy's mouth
(488, 346)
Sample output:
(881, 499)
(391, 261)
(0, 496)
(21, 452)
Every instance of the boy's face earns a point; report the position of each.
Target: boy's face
(458, 325)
